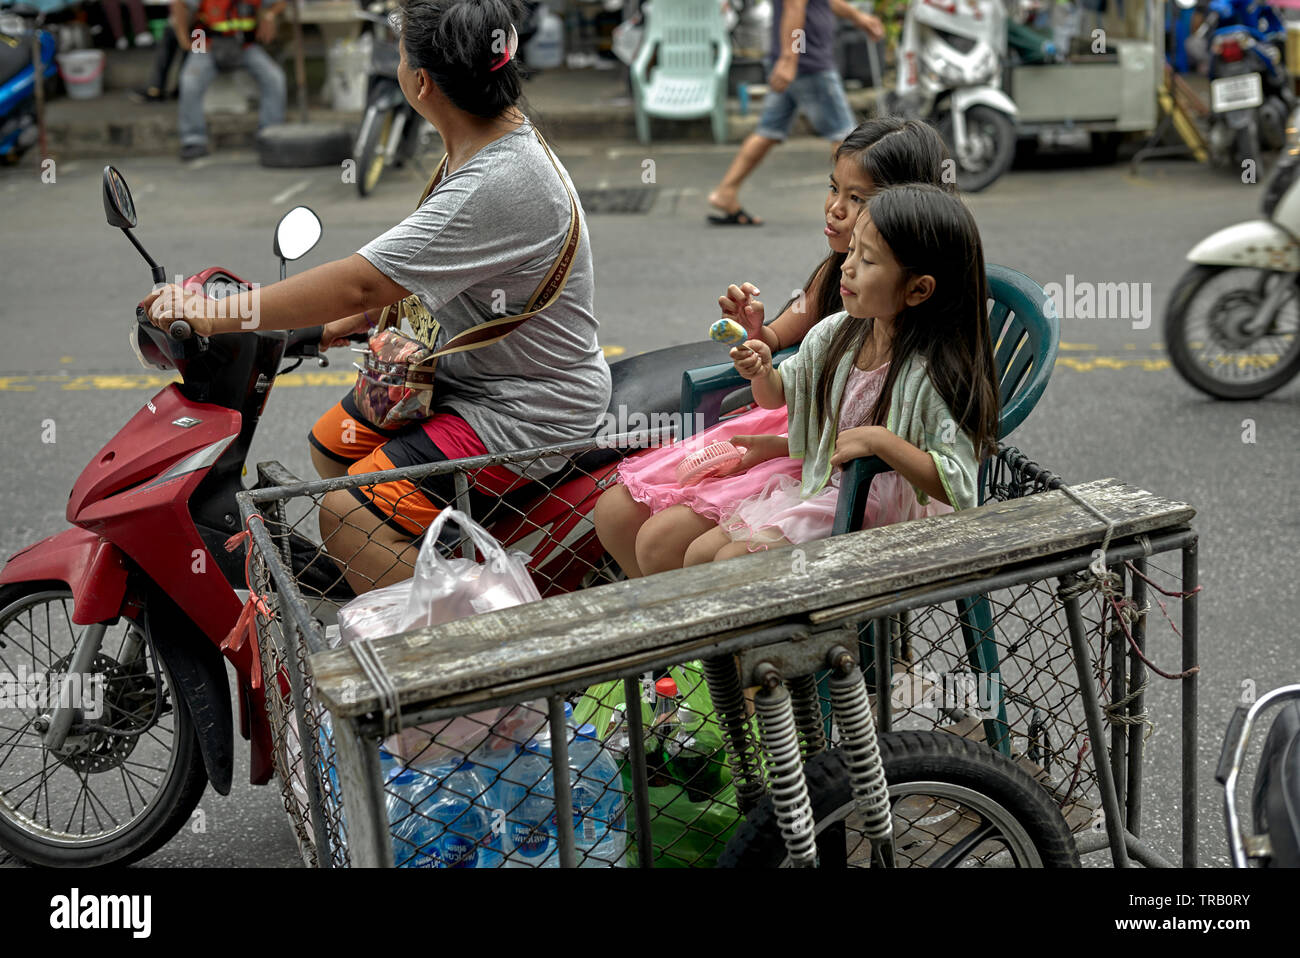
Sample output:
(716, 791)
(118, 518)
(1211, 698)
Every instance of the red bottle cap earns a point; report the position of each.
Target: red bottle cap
(666, 687)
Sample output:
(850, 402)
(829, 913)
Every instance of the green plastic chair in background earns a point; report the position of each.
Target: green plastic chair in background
(1026, 336)
(687, 39)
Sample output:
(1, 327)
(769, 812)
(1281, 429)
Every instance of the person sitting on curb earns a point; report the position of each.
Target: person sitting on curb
(803, 79)
(232, 36)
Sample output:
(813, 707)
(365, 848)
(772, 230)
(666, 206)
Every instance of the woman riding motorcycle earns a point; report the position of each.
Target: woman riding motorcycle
(475, 249)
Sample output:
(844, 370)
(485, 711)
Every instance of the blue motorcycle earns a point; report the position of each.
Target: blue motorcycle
(1250, 92)
(18, 120)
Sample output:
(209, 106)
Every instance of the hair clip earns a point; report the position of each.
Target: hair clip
(512, 44)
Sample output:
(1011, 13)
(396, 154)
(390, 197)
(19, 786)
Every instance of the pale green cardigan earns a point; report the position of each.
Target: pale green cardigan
(917, 413)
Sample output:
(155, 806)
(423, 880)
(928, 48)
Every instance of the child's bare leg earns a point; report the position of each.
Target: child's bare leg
(662, 542)
(705, 547)
(618, 519)
(733, 549)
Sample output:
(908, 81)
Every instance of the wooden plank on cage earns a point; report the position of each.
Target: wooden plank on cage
(625, 620)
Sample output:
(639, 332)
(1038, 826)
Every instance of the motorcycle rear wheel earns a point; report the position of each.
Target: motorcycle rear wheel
(1206, 306)
(109, 798)
(955, 804)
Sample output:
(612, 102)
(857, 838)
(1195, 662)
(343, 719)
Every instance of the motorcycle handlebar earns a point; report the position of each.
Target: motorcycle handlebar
(178, 330)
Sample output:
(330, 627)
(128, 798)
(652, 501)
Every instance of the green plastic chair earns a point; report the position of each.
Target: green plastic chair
(1026, 336)
(688, 40)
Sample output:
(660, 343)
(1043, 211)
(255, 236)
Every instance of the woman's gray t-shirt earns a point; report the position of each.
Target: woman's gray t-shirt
(477, 249)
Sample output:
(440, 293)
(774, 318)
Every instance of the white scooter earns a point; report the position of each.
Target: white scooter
(951, 57)
(1233, 322)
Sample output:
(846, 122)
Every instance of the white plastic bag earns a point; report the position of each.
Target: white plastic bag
(443, 590)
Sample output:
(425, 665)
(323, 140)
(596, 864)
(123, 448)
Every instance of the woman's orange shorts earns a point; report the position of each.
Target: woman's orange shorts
(407, 505)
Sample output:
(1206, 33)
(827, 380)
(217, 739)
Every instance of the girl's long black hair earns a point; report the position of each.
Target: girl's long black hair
(931, 232)
(891, 150)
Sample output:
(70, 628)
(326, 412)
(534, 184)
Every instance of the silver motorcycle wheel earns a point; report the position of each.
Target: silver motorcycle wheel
(1219, 342)
(129, 773)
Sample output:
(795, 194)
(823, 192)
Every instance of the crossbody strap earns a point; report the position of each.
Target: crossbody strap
(547, 291)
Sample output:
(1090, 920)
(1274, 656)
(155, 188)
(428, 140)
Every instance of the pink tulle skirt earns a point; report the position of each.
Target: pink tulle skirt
(777, 514)
(651, 476)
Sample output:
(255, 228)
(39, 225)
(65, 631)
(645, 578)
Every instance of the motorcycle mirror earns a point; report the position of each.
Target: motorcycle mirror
(119, 208)
(298, 231)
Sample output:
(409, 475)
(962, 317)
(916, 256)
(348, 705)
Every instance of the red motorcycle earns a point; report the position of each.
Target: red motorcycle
(119, 712)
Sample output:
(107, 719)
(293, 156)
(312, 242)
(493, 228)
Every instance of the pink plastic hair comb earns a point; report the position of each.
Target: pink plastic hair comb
(715, 459)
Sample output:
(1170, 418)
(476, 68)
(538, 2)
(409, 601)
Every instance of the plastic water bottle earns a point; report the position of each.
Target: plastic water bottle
(599, 802)
(439, 818)
(527, 793)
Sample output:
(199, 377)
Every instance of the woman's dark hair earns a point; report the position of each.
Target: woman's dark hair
(458, 42)
(931, 232)
(891, 150)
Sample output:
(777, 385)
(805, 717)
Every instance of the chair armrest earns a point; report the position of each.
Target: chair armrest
(704, 389)
(855, 486)
(723, 66)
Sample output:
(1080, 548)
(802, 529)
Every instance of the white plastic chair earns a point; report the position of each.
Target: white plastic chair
(689, 78)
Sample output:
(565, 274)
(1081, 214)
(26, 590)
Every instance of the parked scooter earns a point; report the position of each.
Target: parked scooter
(1250, 90)
(1232, 326)
(18, 126)
(1274, 840)
(390, 129)
(133, 604)
(951, 56)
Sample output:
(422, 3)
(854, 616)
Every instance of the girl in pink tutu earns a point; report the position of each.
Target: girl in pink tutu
(881, 152)
(904, 373)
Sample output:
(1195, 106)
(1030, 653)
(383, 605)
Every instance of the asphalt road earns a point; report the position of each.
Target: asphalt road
(1114, 408)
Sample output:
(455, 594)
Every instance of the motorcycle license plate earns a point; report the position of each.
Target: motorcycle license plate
(1236, 93)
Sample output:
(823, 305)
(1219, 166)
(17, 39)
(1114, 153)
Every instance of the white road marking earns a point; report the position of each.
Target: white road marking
(291, 191)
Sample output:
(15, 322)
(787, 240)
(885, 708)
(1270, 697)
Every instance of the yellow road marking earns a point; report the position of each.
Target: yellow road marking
(114, 382)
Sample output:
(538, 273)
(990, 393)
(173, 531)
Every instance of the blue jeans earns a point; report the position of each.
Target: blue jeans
(200, 69)
(819, 96)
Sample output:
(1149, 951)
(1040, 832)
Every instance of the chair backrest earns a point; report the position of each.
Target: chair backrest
(691, 34)
(1026, 335)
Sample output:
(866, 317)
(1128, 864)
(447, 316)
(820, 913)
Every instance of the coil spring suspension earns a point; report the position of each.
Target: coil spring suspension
(808, 714)
(785, 777)
(729, 699)
(852, 711)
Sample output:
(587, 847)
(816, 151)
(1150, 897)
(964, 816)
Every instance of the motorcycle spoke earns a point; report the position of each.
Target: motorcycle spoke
(152, 768)
(23, 800)
(966, 845)
(93, 794)
(14, 738)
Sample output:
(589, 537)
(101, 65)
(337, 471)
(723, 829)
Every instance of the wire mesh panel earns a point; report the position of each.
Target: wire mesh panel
(478, 789)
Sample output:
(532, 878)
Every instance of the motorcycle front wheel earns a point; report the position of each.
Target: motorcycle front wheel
(1207, 336)
(991, 147)
(954, 804)
(130, 773)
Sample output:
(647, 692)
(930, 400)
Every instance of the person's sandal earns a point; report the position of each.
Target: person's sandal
(737, 218)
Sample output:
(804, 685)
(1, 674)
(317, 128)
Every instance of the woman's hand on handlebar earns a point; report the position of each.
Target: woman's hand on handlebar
(172, 302)
(337, 333)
